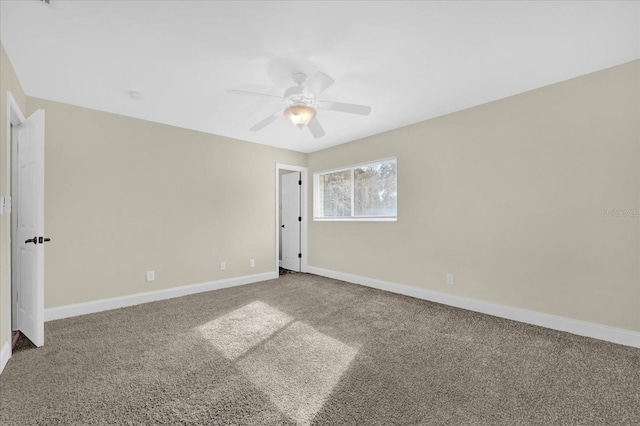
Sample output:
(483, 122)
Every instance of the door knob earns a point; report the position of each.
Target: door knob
(37, 240)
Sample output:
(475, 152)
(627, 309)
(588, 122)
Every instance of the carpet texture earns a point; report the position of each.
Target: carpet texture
(303, 349)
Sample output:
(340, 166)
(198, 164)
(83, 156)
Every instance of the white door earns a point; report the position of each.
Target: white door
(28, 239)
(291, 221)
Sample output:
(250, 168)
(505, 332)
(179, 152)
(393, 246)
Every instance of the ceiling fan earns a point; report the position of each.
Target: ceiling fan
(301, 103)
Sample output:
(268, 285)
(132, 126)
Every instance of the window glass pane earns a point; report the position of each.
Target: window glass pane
(360, 192)
(335, 194)
(375, 190)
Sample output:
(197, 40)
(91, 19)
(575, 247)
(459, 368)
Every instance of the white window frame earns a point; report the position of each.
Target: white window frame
(316, 194)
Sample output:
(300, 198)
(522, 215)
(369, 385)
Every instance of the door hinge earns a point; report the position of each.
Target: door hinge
(299, 182)
(299, 218)
(5, 204)
(299, 255)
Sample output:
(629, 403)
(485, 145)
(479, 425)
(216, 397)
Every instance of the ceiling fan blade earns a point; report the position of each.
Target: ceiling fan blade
(316, 129)
(343, 107)
(318, 84)
(245, 92)
(264, 123)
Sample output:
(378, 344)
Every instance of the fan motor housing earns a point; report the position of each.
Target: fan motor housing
(295, 96)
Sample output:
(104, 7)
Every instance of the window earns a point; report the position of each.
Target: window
(361, 192)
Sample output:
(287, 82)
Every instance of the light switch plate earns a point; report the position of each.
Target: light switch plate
(5, 204)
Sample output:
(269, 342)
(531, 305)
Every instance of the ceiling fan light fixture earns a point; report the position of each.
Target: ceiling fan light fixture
(300, 114)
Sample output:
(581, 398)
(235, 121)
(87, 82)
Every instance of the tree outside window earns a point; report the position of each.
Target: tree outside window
(362, 192)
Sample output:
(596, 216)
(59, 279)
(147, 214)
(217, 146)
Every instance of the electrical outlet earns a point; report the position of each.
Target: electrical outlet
(223, 266)
(151, 275)
(252, 263)
(450, 279)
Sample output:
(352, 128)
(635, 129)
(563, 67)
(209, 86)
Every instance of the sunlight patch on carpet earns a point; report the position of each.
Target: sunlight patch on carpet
(238, 331)
(297, 369)
(292, 363)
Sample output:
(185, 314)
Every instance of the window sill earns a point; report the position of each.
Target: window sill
(355, 219)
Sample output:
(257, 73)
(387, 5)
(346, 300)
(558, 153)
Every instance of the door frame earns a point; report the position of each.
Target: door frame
(303, 212)
(15, 117)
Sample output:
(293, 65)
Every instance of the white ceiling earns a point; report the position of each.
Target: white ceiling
(409, 60)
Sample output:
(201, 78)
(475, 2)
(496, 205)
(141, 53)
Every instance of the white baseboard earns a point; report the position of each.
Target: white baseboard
(5, 354)
(151, 296)
(581, 328)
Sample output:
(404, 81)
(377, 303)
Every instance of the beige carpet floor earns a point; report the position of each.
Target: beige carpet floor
(309, 350)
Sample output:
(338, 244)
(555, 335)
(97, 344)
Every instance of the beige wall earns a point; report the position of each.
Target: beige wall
(124, 196)
(509, 197)
(8, 82)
